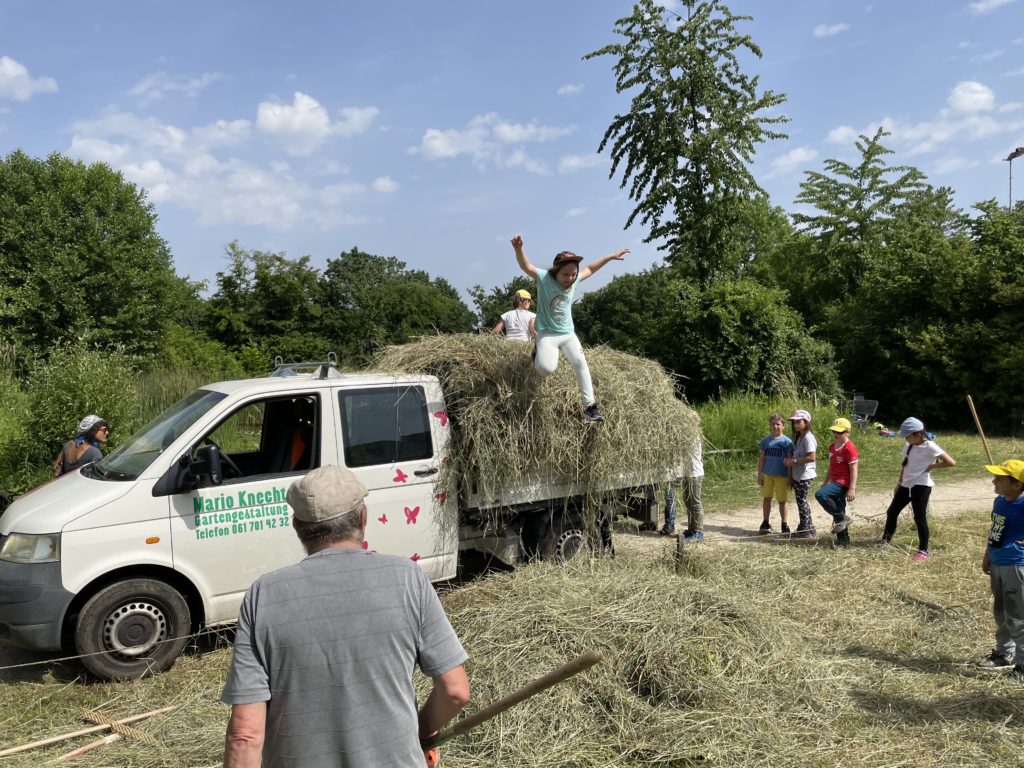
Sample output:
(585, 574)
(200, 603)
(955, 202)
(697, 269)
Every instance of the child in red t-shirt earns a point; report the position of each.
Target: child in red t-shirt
(840, 484)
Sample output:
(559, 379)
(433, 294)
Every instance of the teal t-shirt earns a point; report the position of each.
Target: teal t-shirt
(554, 305)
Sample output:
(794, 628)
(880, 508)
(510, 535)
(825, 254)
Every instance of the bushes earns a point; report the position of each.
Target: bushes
(73, 382)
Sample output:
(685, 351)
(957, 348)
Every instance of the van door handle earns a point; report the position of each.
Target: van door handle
(425, 472)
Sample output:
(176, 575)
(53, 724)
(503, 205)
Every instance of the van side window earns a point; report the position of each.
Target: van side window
(385, 426)
(269, 437)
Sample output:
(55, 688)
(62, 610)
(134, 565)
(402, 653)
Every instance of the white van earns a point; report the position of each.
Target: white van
(125, 558)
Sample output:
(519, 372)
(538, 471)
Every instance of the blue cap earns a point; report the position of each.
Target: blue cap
(910, 426)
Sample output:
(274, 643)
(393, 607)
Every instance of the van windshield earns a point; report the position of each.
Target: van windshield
(131, 459)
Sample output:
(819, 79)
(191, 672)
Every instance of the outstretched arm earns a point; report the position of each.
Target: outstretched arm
(524, 263)
(499, 328)
(595, 265)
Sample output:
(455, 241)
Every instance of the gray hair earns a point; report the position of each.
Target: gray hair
(320, 534)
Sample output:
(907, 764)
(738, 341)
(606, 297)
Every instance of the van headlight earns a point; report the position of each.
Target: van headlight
(31, 548)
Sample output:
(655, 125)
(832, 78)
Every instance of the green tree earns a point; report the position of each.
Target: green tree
(374, 301)
(80, 257)
(854, 206)
(695, 121)
(491, 305)
(732, 335)
(271, 301)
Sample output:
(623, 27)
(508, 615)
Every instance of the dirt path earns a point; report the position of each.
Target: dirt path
(737, 525)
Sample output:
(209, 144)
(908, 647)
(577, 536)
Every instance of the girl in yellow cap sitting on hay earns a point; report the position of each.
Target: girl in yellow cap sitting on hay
(555, 330)
(517, 323)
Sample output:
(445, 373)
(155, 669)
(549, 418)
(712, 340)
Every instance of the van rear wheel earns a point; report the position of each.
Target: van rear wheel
(132, 628)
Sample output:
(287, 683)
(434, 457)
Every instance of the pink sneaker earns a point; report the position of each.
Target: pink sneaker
(921, 554)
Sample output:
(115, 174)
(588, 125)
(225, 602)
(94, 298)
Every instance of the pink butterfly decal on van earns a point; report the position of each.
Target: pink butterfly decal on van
(441, 416)
(383, 519)
(411, 515)
(400, 476)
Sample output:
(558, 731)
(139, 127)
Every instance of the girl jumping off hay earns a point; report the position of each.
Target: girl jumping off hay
(555, 330)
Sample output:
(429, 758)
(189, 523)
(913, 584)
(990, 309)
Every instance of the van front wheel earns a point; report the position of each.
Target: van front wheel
(132, 628)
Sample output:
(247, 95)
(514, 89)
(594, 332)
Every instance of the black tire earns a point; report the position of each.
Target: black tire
(125, 630)
(567, 539)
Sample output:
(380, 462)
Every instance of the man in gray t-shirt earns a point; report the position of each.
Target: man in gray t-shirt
(325, 648)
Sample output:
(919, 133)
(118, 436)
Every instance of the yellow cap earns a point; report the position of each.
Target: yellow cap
(1013, 468)
(523, 294)
(841, 425)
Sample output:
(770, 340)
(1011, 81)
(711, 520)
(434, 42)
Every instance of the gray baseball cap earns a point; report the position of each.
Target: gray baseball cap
(325, 493)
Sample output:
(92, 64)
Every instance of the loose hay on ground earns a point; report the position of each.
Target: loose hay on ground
(776, 654)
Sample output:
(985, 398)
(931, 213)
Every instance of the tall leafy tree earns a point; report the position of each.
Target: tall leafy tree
(80, 257)
(695, 121)
(373, 301)
(853, 208)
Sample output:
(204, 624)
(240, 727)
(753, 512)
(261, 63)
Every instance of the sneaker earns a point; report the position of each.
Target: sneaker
(693, 537)
(805, 533)
(591, 413)
(785, 528)
(1017, 674)
(841, 524)
(843, 538)
(995, 662)
(921, 554)
(666, 531)
(884, 542)
(765, 528)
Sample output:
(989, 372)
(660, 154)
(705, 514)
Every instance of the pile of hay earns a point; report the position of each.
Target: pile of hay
(511, 426)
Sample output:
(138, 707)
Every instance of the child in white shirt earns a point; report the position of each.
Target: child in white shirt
(920, 456)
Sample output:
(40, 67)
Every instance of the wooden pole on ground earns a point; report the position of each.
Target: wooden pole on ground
(981, 432)
(83, 732)
(680, 552)
(574, 667)
(87, 748)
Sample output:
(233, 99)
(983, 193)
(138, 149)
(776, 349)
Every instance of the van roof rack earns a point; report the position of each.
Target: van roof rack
(325, 369)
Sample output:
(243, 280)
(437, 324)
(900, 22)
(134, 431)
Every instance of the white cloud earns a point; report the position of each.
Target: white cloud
(573, 213)
(486, 139)
(573, 163)
(790, 161)
(950, 164)
(355, 120)
(1014, 72)
(519, 133)
(962, 122)
(970, 96)
(302, 126)
(183, 167)
(966, 44)
(983, 57)
(570, 89)
(223, 133)
(157, 85)
(385, 185)
(17, 85)
(828, 30)
(843, 134)
(987, 6)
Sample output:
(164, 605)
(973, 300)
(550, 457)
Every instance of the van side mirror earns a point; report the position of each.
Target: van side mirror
(207, 465)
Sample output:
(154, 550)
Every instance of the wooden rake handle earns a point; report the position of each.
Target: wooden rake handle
(554, 677)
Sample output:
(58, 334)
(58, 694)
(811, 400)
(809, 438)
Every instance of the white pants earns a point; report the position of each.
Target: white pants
(546, 362)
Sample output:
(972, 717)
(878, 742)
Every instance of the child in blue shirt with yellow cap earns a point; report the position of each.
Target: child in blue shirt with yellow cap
(1004, 557)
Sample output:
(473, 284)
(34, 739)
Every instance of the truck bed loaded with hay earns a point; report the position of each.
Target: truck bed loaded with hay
(461, 446)
(533, 477)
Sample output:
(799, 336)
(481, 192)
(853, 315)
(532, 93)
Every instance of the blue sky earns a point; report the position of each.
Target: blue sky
(434, 132)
